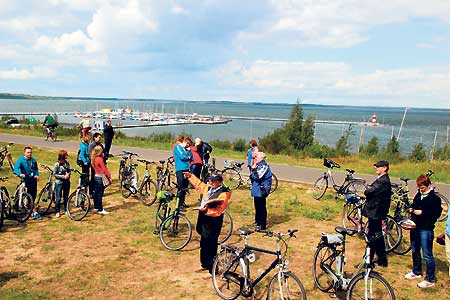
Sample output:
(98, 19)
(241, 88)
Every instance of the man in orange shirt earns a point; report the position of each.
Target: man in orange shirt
(214, 200)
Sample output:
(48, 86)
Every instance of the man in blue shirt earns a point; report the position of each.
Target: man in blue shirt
(26, 168)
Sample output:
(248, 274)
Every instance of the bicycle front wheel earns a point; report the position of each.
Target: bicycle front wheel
(404, 246)
(227, 274)
(147, 193)
(356, 188)
(376, 287)
(274, 185)
(231, 178)
(175, 232)
(78, 205)
(23, 207)
(445, 204)
(324, 260)
(351, 218)
(320, 187)
(392, 233)
(286, 286)
(227, 228)
(44, 199)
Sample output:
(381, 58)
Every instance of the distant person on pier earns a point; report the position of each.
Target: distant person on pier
(196, 162)
(108, 135)
(182, 165)
(85, 126)
(251, 153)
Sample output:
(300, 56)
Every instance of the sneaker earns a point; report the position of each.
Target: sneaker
(426, 284)
(58, 215)
(96, 210)
(411, 275)
(36, 216)
(103, 212)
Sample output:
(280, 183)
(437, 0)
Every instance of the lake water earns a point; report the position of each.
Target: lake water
(420, 124)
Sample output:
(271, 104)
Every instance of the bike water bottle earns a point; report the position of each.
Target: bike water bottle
(339, 265)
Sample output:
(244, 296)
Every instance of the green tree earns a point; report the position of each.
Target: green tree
(276, 142)
(240, 145)
(372, 147)
(294, 126)
(418, 154)
(392, 149)
(343, 143)
(307, 135)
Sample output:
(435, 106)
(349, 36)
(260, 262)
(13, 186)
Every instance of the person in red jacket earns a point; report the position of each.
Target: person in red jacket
(98, 164)
(214, 200)
(197, 161)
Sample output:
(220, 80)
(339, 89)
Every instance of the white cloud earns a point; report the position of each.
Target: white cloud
(24, 74)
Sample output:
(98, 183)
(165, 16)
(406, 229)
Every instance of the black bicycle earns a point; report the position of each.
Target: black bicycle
(4, 153)
(128, 175)
(166, 179)
(231, 271)
(351, 185)
(47, 195)
(18, 207)
(78, 204)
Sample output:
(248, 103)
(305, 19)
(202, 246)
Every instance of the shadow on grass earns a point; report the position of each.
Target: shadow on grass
(7, 276)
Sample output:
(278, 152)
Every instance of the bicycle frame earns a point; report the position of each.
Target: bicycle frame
(4, 153)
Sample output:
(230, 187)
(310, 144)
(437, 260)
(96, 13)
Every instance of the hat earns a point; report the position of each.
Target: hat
(198, 141)
(215, 177)
(381, 163)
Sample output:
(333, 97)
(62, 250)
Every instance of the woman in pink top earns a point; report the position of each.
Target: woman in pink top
(98, 164)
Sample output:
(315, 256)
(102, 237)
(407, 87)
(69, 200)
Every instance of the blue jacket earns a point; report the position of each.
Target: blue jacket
(27, 167)
(250, 155)
(84, 152)
(447, 226)
(182, 158)
(261, 180)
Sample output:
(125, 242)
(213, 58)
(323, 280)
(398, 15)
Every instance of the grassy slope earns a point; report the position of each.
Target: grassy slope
(118, 257)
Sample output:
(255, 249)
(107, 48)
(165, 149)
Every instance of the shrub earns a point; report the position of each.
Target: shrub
(240, 145)
(276, 142)
(225, 145)
(418, 154)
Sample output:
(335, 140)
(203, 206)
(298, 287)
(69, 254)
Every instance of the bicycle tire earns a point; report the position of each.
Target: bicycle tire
(231, 178)
(350, 217)
(227, 227)
(147, 193)
(226, 275)
(291, 288)
(356, 289)
(78, 205)
(3, 198)
(320, 187)
(121, 168)
(173, 234)
(23, 212)
(126, 180)
(274, 185)
(356, 188)
(404, 246)
(445, 204)
(392, 233)
(54, 136)
(45, 198)
(324, 255)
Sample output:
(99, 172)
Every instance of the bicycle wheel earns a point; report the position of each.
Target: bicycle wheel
(356, 188)
(445, 204)
(147, 193)
(23, 207)
(175, 232)
(54, 136)
(78, 205)
(376, 287)
(227, 228)
(320, 187)
(288, 287)
(231, 178)
(3, 198)
(324, 260)
(404, 246)
(392, 233)
(226, 275)
(351, 218)
(274, 185)
(45, 198)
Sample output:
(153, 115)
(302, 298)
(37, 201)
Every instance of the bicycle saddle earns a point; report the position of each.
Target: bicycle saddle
(245, 231)
(169, 195)
(345, 231)
(405, 179)
(239, 164)
(351, 171)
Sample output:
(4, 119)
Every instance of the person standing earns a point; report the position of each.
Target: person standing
(96, 141)
(378, 199)
(99, 167)
(251, 152)
(261, 178)
(197, 161)
(425, 210)
(214, 200)
(61, 171)
(26, 168)
(447, 242)
(108, 134)
(50, 122)
(85, 125)
(85, 160)
(182, 164)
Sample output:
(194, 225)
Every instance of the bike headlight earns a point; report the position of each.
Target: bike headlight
(286, 262)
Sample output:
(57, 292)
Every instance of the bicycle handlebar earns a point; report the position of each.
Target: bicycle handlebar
(76, 171)
(130, 153)
(47, 167)
(3, 179)
(290, 232)
(148, 162)
(430, 173)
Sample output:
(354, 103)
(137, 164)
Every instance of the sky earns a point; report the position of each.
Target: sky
(345, 52)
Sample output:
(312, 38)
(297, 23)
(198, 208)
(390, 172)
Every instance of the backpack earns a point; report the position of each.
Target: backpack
(79, 161)
(207, 148)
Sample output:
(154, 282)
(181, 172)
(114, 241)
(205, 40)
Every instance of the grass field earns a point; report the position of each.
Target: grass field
(118, 256)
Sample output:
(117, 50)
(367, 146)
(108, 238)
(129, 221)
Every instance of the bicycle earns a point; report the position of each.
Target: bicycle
(47, 194)
(20, 206)
(79, 203)
(231, 270)
(50, 132)
(350, 185)
(147, 189)
(352, 219)
(165, 176)
(4, 153)
(128, 175)
(329, 273)
(234, 178)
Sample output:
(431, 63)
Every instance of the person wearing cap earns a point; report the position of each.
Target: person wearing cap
(261, 178)
(214, 200)
(425, 210)
(197, 161)
(378, 200)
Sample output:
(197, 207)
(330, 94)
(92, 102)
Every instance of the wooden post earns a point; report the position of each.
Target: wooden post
(434, 144)
(361, 138)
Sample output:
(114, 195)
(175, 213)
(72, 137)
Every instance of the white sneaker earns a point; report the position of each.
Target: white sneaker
(426, 284)
(96, 210)
(411, 275)
(103, 212)
(58, 215)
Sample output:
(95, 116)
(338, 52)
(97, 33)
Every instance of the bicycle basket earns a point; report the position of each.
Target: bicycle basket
(352, 198)
(327, 163)
(332, 239)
